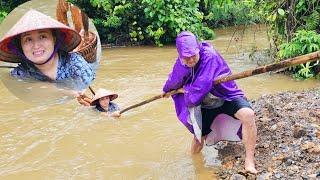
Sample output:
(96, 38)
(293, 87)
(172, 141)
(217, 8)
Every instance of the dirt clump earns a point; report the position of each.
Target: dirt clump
(288, 145)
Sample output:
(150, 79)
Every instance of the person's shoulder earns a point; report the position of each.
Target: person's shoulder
(21, 71)
(114, 104)
(76, 60)
(114, 107)
(207, 50)
(76, 57)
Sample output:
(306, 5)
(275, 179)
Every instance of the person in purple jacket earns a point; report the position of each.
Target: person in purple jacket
(194, 72)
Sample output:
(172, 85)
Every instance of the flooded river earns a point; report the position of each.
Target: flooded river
(68, 141)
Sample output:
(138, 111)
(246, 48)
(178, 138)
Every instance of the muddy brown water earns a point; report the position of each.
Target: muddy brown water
(67, 141)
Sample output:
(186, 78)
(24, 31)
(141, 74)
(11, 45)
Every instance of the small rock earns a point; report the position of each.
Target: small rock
(298, 131)
(251, 177)
(312, 176)
(308, 145)
(274, 127)
(294, 168)
(284, 148)
(289, 162)
(270, 169)
(277, 175)
(228, 165)
(315, 150)
(304, 177)
(264, 176)
(300, 96)
(279, 157)
(291, 173)
(264, 145)
(237, 177)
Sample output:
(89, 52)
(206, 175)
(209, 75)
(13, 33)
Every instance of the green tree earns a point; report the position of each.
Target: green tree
(8, 6)
(145, 21)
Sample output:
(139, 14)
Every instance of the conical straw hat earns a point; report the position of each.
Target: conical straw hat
(102, 93)
(34, 20)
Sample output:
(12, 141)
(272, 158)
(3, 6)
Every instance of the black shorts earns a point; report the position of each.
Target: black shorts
(229, 107)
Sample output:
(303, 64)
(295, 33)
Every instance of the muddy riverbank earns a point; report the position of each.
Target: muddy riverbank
(288, 145)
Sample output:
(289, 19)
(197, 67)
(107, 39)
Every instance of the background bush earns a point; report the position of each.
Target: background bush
(7, 6)
(222, 13)
(294, 28)
(145, 21)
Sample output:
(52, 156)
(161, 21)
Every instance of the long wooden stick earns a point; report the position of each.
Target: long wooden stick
(92, 91)
(259, 70)
(7, 66)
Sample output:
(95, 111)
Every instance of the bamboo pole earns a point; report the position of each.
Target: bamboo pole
(7, 66)
(259, 70)
(92, 91)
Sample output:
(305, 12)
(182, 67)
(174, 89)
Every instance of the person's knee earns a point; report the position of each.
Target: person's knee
(246, 116)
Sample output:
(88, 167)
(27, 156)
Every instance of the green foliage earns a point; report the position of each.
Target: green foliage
(313, 21)
(3, 14)
(286, 17)
(7, 6)
(168, 18)
(115, 20)
(145, 21)
(304, 42)
(293, 28)
(230, 12)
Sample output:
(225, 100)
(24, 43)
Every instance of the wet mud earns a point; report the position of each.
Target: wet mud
(288, 144)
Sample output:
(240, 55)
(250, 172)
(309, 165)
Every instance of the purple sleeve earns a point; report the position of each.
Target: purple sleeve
(177, 77)
(204, 77)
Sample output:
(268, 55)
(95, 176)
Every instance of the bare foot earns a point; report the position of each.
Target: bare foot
(250, 167)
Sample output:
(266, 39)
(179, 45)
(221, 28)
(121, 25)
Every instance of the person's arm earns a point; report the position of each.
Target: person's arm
(115, 114)
(115, 110)
(196, 91)
(177, 77)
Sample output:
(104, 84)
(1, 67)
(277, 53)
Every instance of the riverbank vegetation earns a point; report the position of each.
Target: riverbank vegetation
(7, 6)
(293, 26)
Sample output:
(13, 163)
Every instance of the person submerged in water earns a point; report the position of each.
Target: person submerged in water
(102, 101)
(43, 49)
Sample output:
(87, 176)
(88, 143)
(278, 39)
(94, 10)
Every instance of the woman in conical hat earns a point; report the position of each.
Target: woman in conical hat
(42, 46)
(102, 100)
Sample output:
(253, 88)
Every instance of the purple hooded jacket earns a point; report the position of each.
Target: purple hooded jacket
(198, 81)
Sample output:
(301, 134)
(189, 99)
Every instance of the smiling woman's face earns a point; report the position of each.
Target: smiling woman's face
(37, 45)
